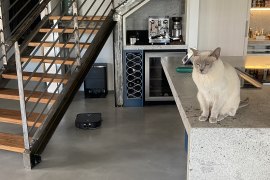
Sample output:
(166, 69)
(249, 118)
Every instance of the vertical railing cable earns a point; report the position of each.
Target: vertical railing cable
(2, 37)
(76, 33)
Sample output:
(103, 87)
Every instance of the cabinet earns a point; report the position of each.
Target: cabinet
(223, 23)
(259, 31)
(133, 78)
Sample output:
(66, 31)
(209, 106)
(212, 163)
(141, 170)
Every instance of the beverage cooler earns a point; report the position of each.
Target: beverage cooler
(156, 85)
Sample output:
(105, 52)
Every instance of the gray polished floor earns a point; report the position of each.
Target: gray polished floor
(132, 144)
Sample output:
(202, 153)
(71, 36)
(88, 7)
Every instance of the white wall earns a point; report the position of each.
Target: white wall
(106, 56)
(222, 23)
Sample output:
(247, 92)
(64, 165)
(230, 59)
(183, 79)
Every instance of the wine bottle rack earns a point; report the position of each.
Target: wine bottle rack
(133, 78)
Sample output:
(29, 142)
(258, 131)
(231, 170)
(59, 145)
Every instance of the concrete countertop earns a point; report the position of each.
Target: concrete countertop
(256, 115)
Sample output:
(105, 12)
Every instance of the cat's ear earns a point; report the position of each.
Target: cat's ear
(216, 53)
(195, 52)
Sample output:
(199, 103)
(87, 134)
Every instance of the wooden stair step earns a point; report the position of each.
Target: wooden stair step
(14, 117)
(68, 30)
(80, 18)
(11, 142)
(37, 77)
(58, 60)
(58, 44)
(13, 94)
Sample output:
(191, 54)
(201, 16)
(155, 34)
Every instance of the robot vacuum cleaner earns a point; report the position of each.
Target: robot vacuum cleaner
(88, 120)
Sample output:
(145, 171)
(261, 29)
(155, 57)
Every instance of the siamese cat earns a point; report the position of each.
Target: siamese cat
(218, 86)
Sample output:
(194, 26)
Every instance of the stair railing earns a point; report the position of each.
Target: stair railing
(32, 94)
(69, 71)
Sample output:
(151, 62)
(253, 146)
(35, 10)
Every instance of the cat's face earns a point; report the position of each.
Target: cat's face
(203, 63)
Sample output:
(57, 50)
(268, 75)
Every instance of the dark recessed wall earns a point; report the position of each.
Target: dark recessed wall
(139, 19)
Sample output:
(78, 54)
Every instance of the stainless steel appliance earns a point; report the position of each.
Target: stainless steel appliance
(156, 85)
(177, 29)
(158, 29)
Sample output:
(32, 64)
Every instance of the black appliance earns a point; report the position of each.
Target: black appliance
(88, 120)
(157, 88)
(95, 83)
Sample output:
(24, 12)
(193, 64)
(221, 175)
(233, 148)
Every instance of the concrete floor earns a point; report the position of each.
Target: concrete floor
(132, 144)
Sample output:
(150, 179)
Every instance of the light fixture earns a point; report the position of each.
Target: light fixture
(259, 9)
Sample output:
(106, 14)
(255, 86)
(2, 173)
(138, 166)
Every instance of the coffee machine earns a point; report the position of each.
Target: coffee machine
(158, 29)
(176, 33)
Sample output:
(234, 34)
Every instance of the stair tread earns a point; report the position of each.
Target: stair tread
(14, 117)
(13, 94)
(68, 30)
(58, 60)
(50, 44)
(37, 77)
(11, 142)
(87, 18)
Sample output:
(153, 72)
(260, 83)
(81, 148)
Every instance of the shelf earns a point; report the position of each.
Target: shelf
(260, 9)
(155, 47)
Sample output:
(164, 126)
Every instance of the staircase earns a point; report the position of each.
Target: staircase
(51, 63)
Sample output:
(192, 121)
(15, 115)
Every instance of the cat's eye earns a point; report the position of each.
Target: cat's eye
(207, 64)
(197, 64)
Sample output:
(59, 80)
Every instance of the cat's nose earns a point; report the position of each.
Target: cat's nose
(201, 70)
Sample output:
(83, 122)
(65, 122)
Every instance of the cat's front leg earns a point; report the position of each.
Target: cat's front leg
(215, 111)
(204, 107)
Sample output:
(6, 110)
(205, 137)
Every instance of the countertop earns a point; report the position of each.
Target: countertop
(173, 45)
(255, 115)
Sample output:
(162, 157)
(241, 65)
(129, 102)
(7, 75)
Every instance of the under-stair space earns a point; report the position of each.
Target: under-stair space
(51, 63)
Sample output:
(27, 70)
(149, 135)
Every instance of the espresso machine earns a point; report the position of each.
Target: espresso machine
(176, 33)
(158, 29)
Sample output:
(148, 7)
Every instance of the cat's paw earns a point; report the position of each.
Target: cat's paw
(203, 118)
(213, 120)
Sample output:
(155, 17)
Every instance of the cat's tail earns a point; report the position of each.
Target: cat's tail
(244, 103)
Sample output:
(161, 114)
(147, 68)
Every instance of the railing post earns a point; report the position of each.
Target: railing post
(27, 160)
(76, 33)
(113, 5)
(2, 37)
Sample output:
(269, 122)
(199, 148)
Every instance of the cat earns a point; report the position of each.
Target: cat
(218, 85)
